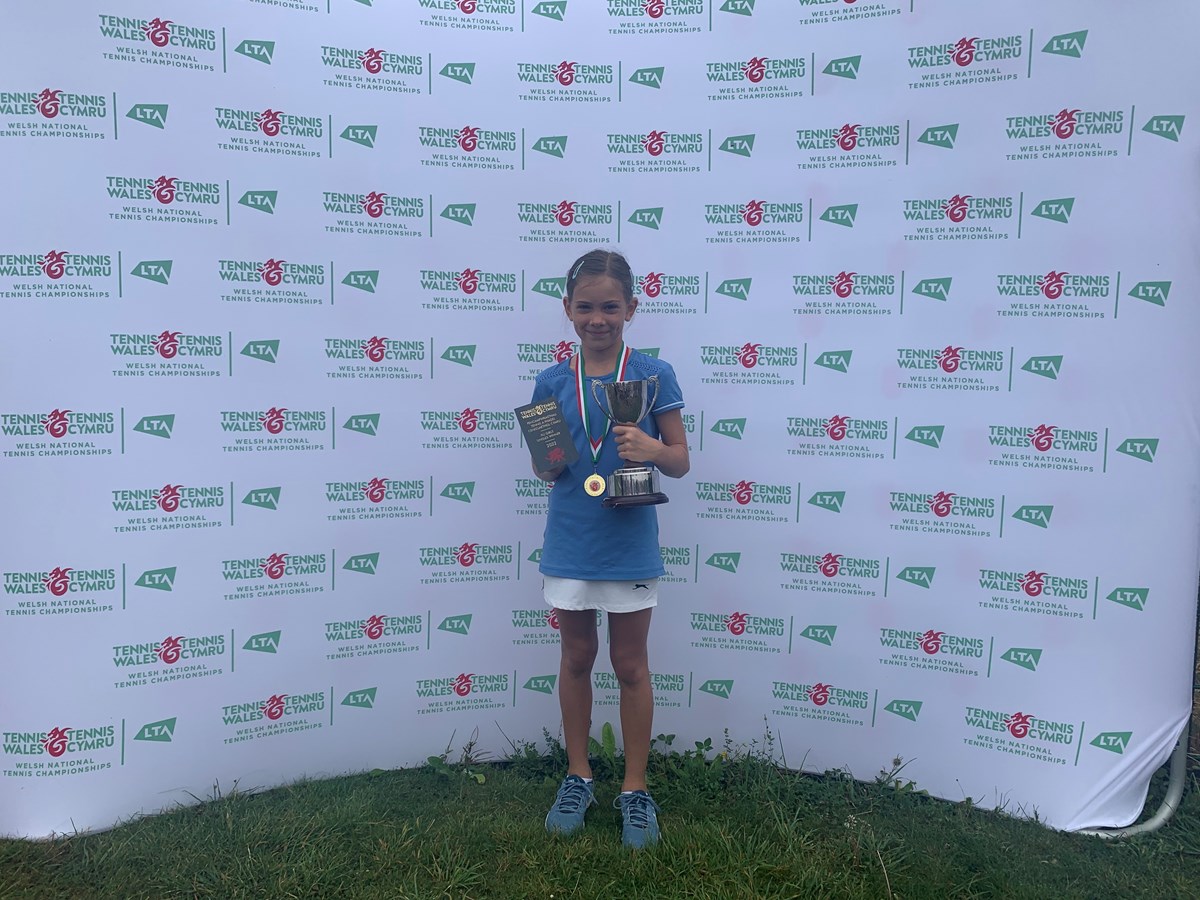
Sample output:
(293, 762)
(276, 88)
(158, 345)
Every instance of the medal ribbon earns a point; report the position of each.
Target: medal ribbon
(596, 443)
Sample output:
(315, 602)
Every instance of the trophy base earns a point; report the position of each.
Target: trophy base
(629, 500)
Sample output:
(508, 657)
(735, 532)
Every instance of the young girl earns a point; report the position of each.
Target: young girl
(595, 558)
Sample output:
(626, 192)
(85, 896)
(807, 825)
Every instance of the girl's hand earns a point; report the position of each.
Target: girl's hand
(634, 445)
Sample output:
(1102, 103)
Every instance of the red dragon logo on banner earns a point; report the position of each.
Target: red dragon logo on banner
(462, 684)
(373, 628)
(164, 189)
(375, 490)
(468, 280)
(931, 641)
(158, 31)
(275, 565)
(1042, 438)
(651, 284)
(949, 359)
(55, 741)
(654, 8)
(167, 497)
(468, 419)
(1064, 123)
(755, 69)
(54, 264)
(847, 136)
(48, 103)
(372, 204)
(170, 650)
(747, 355)
(372, 60)
(552, 619)
(1051, 284)
(466, 555)
(1019, 723)
(831, 564)
(273, 420)
(837, 427)
(564, 72)
(819, 693)
(736, 622)
(468, 138)
(964, 51)
(273, 708)
(742, 492)
(655, 142)
(843, 284)
(565, 213)
(563, 350)
(955, 209)
(272, 272)
(752, 213)
(1033, 583)
(268, 122)
(56, 422)
(941, 503)
(375, 348)
(58, 581)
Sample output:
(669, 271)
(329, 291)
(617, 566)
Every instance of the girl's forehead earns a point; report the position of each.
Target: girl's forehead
(597, 286)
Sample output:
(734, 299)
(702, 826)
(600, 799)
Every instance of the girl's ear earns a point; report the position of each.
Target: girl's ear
(567, 306)
(632, 307)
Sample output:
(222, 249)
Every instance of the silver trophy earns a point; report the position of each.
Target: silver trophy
(628, 403)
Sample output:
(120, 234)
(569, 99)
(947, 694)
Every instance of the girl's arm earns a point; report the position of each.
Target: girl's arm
(669, 454)
(548, 476)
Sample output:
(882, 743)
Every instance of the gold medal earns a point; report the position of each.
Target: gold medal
(594, 485)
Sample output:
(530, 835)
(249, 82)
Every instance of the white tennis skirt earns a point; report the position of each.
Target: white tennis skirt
(609, 596)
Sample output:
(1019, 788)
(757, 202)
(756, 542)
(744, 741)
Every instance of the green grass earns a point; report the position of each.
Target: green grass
(733, 826)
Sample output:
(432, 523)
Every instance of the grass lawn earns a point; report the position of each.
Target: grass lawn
(733, 826)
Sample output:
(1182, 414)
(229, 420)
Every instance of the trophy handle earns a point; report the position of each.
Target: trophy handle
(595, 396)
(654, 399)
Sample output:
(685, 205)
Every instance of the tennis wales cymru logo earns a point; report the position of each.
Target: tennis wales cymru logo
(745, 501)
(273, 280)
(536, 357)
(68, 749)
(378, 213)
(758, 78)
(1020, 734)
(656, 152)
(1039, 593)
(850, 145)
(952, 367)
(274, 715)
(271, 132)
(740, 631)
(839, 436)
(969, 60)
(374, 635)
(566, 221)
(1069, 133)
(470, 290)
(750, 363)
(831, 573)
(548, 81)
(933, 650)
(756, 221)
(960, 217)
(845, 293)
(54, 113)
(465, 691)
(373, 69)
(160, 42)
(275, 428)
(376, 497)
(376, 357)
(472, 561)
(944, 512)
(57, 274)
(469, 427)
(62, 590)
(276, 574)
(1045, 446)
(168, 199)
(173, 657)
(471, 15)
(669, 293)
(824, 702)
(643, 17)
(171, 507)
(468, 147)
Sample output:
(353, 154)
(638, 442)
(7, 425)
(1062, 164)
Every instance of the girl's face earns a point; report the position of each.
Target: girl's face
(598, 310)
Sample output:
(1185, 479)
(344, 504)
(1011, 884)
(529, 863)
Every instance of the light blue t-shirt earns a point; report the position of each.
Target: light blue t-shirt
(583, 539)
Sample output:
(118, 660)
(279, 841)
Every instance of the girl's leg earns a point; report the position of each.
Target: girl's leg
(627, 634)
(577, 631)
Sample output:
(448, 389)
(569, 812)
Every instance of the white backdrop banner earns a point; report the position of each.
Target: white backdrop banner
(275, 274)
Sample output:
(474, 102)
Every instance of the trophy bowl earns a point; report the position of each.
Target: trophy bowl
(628, 403)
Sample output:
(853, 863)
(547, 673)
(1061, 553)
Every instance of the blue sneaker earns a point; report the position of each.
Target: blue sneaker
(639, 819)
(570, 804)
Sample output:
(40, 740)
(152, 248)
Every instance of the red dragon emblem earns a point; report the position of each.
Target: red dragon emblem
(931, 641)
(373, 628)
(654, 8)
(843, 284)
(1019, 724)
(941, 503)
(275, 565)
(48, 103)
(1033, 583)
(462, 684)
(755, 69)
(564, 72)
(651, 284)
(847, 136)
(468, 419)
(837, 427)
(54, 264)
(748, 355)
(563, 350)
(268, 122)
(375, 490)
(565, 213)
(1051, 284)
(466, 555)
(552, 619)
(1064, 123)
(655, 142)
(164, 189)
(831, 564)
(468, 138)
(1042, 438)
(158, 31)
(273, 708)
(273, 420)
(170, 650)
(375, 348)
(372, 204)
(949, 359)
(58, 581)
(167, 497)
(56, 422)
(955, 209)
(736, 622)
(467, 6)
(752, 213)
(55, 741)
(468, 280)
(167, 344)
(964, 51)
(272, 272)
(372, 60)
(742, 492)
(819, 693)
